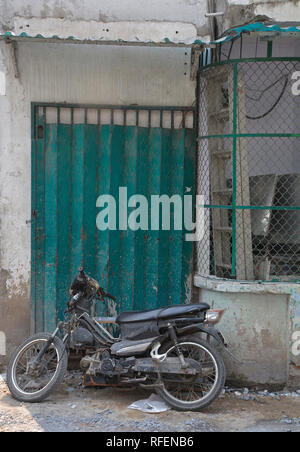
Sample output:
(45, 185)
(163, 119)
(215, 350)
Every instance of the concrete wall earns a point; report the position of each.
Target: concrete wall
(190, 12)
(185, 11)
(255, 327)
(258, 325)
(238, 12)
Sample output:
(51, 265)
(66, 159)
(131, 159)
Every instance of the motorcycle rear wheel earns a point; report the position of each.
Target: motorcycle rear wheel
(189, 393)
(29, 385)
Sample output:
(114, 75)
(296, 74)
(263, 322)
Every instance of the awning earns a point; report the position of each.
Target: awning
(229, 35)
(258, 27)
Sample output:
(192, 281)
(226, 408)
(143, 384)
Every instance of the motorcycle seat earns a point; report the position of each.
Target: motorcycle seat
(162, 313)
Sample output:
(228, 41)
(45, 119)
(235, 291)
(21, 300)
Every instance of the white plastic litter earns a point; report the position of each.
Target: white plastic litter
(154, 404)
(2, 378)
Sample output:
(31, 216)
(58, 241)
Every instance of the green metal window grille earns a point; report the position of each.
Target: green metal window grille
(249, 169)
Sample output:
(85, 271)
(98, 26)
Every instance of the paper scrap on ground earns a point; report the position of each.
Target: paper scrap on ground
(2, 378)
(154, 404)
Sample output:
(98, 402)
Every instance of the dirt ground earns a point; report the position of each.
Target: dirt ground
(76, 409)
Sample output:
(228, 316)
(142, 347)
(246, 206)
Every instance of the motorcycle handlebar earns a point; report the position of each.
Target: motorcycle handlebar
(101, 290)
(110, 296)
(107, 295)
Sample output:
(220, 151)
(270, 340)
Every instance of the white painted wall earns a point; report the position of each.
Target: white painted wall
(286, 10)
(238, 12)
(107, 31)
(186, 11)
(189, 12)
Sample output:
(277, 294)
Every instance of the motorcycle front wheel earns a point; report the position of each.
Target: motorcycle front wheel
(193, 392)
(29, 383)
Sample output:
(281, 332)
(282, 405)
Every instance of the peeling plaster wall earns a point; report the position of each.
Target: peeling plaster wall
(256, 329)
(238, 12)
(14, 211)
(187, 11)
(190, 12)
(74, 74)
(261, 326)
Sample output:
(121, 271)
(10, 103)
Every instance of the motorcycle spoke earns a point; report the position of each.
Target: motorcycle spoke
(191, 388)
(32, 379)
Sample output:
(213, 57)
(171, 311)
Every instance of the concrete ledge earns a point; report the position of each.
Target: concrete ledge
(228, 285)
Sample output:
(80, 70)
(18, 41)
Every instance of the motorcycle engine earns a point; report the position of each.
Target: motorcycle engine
(108, 364)
(102, 363)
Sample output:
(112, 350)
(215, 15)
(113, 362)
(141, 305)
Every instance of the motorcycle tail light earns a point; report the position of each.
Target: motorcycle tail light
(214, 316)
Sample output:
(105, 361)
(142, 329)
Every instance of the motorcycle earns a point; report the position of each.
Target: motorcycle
(161, 349)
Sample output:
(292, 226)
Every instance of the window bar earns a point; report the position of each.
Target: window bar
(234, 168)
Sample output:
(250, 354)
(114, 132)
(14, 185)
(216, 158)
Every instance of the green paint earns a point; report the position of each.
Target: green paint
(165, 236)
(33, 219)
(90, 196)
(234, 168)
(152, 237)
(228, 207)
(50, 295)
(127, 237)
(247, 60)
(77, 198)
(38, 229)
(252, 135)
(140, 244)
(72, 166)
(270, 49)
(102, 237)
(63, 215)
(176, 187)
(116, 170)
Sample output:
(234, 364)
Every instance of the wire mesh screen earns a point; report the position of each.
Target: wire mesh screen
(249, 170)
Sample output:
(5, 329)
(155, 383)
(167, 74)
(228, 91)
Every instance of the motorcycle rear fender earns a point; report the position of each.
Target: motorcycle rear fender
(199, 328)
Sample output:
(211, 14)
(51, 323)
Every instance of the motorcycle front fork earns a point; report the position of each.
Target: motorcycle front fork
(45, 348)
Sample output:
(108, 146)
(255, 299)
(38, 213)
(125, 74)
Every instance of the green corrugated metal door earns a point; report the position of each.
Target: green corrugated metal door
(80, 153)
